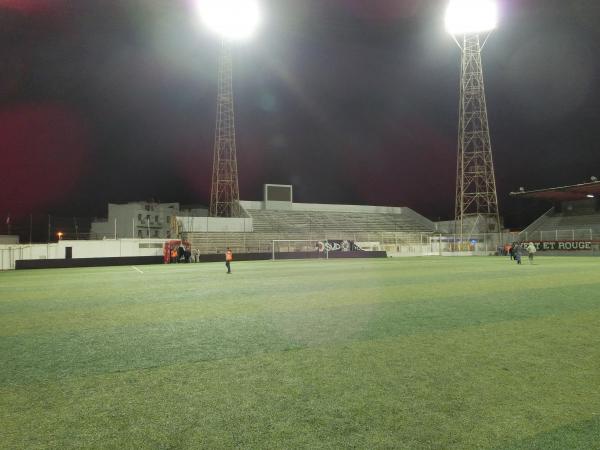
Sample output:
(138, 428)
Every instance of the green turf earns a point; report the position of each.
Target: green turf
(417, 353)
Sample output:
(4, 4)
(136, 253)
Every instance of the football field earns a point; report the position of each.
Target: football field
(419, 353)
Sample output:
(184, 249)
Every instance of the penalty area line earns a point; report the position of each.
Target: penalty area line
(133, 267)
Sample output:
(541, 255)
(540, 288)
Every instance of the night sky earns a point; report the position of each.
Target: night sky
(351, 101)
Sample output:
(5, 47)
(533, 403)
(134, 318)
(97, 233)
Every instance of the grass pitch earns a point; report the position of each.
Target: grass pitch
(436, 353)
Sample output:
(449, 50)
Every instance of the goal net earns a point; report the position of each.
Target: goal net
(298, 249)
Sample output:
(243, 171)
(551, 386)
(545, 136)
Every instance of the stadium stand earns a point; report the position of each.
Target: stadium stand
(585, 226)
(314, 221)
(575, 214)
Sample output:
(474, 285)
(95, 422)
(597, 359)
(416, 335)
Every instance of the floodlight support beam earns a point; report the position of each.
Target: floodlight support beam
(462, 37)
(487, 36)
(225, 194)
(456, 41)
(476, 196)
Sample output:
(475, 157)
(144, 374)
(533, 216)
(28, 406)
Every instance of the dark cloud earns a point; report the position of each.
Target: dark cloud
(351, 101)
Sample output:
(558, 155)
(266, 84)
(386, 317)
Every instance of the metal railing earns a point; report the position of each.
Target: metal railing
(588, 234)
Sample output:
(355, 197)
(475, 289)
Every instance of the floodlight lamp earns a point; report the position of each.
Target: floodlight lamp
(233, 20)
(471, 16)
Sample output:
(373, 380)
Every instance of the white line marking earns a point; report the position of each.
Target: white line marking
(133, 267)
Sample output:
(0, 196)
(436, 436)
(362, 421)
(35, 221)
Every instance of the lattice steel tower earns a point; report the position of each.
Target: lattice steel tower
(225, 193)
(476, 197)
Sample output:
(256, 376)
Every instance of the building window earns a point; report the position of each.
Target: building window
(140, 217)
(140, 235)
(156, 218)
(156, 233)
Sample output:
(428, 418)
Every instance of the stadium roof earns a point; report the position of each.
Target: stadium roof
(563, 193)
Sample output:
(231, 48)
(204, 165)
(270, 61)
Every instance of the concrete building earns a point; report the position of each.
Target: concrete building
(141, 220)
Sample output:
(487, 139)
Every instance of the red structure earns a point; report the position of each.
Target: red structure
(171, 250)
(225, 192)
(572, 192)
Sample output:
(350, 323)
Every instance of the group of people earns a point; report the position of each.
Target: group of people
(175, 252)
(181, 254)
(517, 249)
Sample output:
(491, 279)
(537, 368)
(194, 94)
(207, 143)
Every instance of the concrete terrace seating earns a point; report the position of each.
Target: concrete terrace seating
(563, 222)
(564, 226)
(262, 242)
(392, 227)
(327, 221)
(316, 222)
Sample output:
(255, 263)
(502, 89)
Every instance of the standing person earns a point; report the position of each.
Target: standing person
(511, 251)
(517, 253)
(228, 259)
(531, 249)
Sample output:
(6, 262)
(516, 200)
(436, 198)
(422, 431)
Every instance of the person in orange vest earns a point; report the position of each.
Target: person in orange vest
(228, 259)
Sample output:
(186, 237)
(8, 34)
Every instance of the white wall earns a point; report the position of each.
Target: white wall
(215, 224)
(324, 207)
(81, 249)
(279, 206)
(6, 239)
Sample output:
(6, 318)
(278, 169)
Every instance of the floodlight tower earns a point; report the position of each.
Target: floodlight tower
(476, 196)
(232, 20)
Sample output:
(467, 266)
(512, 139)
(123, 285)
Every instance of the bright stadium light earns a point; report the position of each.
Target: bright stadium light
(233, 20)
(471, 16)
